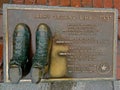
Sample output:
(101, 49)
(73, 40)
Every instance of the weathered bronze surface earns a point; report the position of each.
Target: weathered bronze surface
(21, 43)
(84, 40)
(41, 58)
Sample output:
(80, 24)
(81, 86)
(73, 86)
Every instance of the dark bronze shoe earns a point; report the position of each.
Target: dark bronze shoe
(21, 43)
(41, 57)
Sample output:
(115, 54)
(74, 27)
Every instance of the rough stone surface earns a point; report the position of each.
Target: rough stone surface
(90, 85)
(25, 86)
(117, 85)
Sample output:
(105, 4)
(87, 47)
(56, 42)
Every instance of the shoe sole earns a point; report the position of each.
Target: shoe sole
(36, 75)
(15, 74)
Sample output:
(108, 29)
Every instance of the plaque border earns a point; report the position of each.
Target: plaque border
(7, 7)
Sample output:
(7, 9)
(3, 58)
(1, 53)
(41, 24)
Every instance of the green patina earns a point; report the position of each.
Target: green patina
(21, 43)
(21, 47)
(41, 57)
(43, 37)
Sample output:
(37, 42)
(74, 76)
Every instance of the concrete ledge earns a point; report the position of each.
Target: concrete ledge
(90, 85)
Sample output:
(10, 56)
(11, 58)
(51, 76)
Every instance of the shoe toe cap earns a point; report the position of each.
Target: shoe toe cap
(43, 27)
(21, 30)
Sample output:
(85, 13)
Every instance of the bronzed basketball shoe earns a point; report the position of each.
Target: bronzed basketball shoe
(41, 58)
(21, 43)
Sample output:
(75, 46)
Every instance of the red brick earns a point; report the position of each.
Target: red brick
(118, 52)
(41, 2)
(0, 3)
(98, 3)
(119, 29)
(76, 3)
(108, 3)
(1, 41)
(1, 75)
(87, 3)
(119, 13)
(65, 2)
(1, 52)
(53, 2)
(3, 1)
(29, 2)
(1, 34)
(18, 1)
(117, 4)
(118, 60)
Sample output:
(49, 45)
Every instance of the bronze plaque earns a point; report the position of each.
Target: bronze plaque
(84, 40)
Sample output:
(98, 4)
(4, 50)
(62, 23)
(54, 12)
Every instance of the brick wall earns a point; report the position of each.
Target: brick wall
(1, 58)
(76, 3)
(3, 1)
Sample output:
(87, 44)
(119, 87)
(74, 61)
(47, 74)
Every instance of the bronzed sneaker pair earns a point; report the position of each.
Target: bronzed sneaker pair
(21, 47)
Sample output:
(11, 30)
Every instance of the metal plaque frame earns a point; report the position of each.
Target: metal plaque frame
(54, 8)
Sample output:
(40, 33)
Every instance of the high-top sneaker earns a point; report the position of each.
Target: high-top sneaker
(41, 58)
(21, 41)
